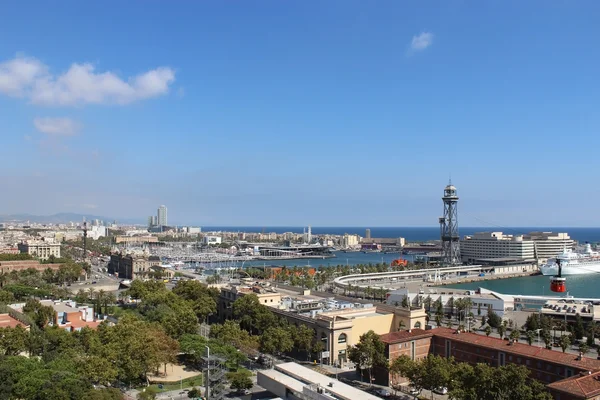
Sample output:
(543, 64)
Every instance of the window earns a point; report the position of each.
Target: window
(418, 325)
(342, 338)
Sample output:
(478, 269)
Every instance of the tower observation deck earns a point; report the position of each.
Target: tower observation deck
(449, 227)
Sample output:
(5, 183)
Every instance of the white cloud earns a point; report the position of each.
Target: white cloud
(422, 41)
(57, 127)
(80, 84)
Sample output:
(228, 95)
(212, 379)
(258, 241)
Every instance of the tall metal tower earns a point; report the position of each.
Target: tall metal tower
(449, 227)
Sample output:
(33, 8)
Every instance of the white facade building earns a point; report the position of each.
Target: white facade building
(479, 301)
(549, 244)
(41, 249)
(215, 240)
(495, 245)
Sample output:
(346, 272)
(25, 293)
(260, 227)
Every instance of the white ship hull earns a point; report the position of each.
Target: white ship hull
(575, 269)
(580, 262)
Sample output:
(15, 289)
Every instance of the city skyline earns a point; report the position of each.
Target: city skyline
(337, 114)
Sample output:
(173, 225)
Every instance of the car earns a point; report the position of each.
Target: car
(382, 393)
(415, 391)
(94, 282)
(244, 391)
(440, 390)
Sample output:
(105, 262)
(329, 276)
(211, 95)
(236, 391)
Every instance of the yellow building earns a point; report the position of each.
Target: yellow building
(339, 329)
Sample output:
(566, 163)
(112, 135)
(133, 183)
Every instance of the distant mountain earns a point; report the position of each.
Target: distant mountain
(64, 218)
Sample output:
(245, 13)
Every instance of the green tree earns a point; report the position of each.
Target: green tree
(501, 331)
(400, 366)
(431, 372)
(276, 340)
(240, 379)
(564, 342)
(578, 329)
(231, 332)
(98, 370)
(303, 338)
(515, 335)
(194, 393)
(488, 330)
(584, 348)
(530, 337)
(493, 319)
(13, 340)
(40, 314)
(368, 353)
(483, 382)
(202, 298)
(6, 297)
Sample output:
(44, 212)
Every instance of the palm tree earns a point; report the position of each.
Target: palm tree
(109, 298)
(91, 293)
(100, 298)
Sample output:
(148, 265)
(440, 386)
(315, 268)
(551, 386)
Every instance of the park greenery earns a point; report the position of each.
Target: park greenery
(47, 362)
(467, 382)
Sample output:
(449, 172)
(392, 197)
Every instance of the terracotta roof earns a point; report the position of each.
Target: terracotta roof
(583, 386)
(80, 324)
(6, 321)
(402, 336)
(554, 356)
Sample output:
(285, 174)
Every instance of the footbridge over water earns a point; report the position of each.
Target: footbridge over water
(435, 275)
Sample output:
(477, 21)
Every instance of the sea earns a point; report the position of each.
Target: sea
(411, 234)
(578, 286)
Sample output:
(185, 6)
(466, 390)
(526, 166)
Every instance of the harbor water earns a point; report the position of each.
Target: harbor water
(539, 285)
(412, 234)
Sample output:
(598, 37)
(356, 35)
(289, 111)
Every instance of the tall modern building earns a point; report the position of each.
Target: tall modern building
(449, 227)
(367, 233)
(162, 216)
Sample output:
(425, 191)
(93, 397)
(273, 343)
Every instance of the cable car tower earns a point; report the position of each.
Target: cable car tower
(449, 227)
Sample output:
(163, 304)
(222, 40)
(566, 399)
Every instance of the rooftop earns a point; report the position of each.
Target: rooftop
(584, 386)
(401, 336)
(554, 356)
(6, 321)
(307, 376)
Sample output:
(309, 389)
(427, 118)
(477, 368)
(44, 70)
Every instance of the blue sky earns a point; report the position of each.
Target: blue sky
(296, 113)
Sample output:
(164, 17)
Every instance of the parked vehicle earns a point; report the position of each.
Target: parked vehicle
(382, 393)
(441, 390)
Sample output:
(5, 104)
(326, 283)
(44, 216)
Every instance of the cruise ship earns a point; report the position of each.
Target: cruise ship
(574, 262)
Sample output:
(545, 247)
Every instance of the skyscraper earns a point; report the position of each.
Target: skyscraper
(367, 233)
(162, 216)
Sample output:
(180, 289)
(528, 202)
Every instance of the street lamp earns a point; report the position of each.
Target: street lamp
(181, 381)
(207, 392)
